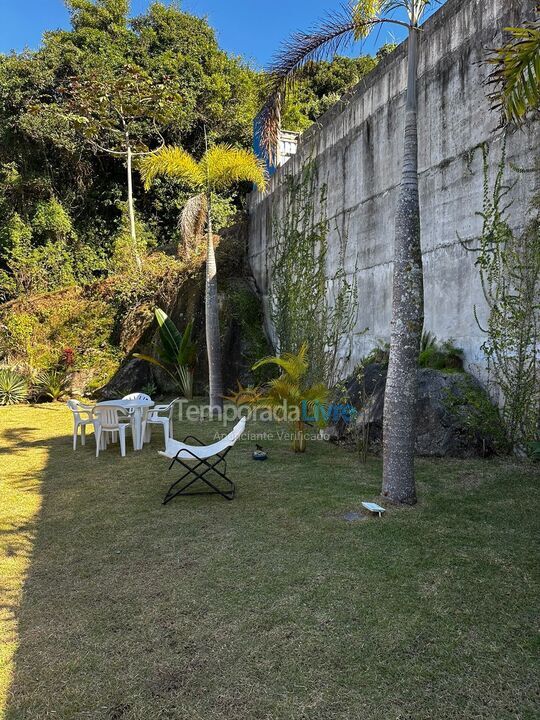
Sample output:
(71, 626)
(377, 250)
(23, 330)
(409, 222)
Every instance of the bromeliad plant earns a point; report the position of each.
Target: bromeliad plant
(53, 384)
(177, 353)
(289, 393)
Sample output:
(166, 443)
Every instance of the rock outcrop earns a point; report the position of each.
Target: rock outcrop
(455, 416)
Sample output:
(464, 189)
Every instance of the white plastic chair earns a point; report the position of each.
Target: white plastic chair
(79, 410)
(157, 416)
(108, 421)
(199, 460)
(138, 396)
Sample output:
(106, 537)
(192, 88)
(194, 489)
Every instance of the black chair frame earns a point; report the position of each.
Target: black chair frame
(206, 467)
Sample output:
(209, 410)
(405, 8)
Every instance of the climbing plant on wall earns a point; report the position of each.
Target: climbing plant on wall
(307, 303)
(509, 267)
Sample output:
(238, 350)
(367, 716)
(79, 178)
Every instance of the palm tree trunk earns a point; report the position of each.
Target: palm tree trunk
(131, 210)
(213, 340)
(407, 313)
(299, 437)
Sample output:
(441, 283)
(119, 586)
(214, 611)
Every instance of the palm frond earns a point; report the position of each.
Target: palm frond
(317, 393)
(516, 76)
(224, 166)
(363, 12)
(193, 219)
(333, 34)
(284, 388)
(244, 395)
(174, 162)
(293, 364)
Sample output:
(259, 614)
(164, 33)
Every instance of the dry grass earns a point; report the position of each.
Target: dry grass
(271, 607)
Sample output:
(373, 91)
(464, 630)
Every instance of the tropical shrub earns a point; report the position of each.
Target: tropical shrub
(289, 394)
(52, 383)
(13, 387)
(440, 356)
(176, 354)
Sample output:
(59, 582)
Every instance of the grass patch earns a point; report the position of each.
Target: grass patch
(271, 607)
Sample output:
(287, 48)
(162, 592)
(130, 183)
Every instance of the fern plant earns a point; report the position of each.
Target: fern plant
(13, 387)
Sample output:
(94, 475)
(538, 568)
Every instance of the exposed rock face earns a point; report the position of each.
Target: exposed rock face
(132, 375)
(454, 415)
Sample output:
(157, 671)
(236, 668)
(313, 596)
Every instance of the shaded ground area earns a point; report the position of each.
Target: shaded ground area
(270, 607)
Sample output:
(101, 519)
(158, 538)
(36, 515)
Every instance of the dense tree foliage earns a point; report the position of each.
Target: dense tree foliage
(63, 197)
(44, 161)
(320, 84)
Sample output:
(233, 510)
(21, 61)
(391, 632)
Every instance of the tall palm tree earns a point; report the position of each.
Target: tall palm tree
(217, 171)
(353, 22)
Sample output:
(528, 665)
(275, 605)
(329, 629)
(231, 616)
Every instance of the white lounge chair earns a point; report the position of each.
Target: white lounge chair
(109, 420)
(200, 455)
(160, 415)
(79, 410)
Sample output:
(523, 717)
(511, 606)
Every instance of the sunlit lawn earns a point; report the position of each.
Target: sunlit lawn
(268, 607)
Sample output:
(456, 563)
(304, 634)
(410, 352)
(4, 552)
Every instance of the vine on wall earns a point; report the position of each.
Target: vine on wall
(306, 305)
(509, 267)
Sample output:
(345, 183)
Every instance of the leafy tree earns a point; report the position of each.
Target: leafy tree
(41, 156)
(118, 109)
(350, 24)
(319, 85)
(220, 168)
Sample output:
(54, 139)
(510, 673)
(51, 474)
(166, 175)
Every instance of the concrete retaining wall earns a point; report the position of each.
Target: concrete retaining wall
(357, 148)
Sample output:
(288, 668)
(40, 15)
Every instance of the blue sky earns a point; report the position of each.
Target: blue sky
(242, 29)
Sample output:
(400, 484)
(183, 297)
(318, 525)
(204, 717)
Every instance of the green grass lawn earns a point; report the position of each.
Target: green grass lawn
(268, 607)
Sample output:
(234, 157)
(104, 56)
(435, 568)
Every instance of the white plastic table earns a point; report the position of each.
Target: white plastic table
(137, 407)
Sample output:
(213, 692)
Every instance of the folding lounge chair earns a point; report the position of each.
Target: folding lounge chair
(206, 458)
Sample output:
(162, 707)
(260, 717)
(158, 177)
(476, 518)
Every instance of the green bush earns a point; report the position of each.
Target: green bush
(52, 384)
(444, 356)
(51, 220)
(13, 387)
(480, 416)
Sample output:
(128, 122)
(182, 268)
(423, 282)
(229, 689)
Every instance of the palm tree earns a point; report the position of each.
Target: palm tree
(350, 24)
(218, 170)
(289, 393)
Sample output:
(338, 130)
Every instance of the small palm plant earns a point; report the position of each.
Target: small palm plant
(217, 171)
(177, 353)
(288, 393)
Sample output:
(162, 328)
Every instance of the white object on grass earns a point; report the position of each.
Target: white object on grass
(79, 410)
(137, 410)
(160, 415)
(197, 452)
(373, 507)
(108, 421)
